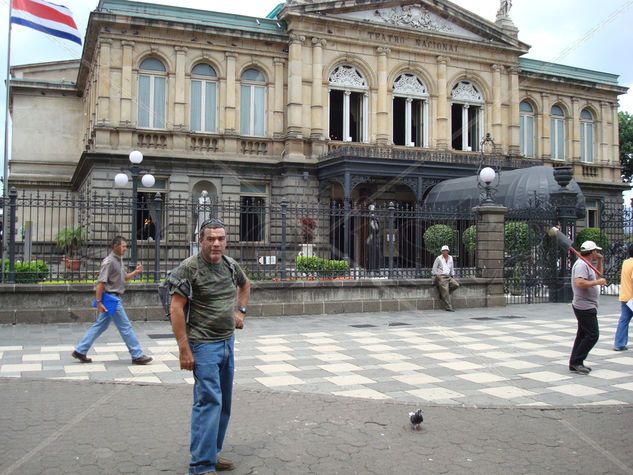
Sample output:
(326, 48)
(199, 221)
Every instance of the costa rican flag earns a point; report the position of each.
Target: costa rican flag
(49, 18)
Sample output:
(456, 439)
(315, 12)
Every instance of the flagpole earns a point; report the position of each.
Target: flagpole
(5, 173)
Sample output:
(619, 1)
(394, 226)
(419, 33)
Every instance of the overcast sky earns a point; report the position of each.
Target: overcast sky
(591, 34)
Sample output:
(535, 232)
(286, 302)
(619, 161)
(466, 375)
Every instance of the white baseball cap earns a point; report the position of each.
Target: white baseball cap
(445, 248)
(589, 246)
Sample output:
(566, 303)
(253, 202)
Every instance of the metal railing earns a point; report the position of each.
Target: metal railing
(272, 241)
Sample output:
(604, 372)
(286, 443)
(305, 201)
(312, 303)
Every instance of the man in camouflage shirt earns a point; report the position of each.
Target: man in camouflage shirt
(205, 340)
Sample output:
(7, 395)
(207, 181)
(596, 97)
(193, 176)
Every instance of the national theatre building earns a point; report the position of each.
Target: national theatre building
(321, 102)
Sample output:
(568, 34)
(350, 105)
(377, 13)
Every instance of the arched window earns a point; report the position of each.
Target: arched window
(410, 111)
(203, 98)
(586, 136)
(467, 116)
(253, 103)
(557, 133)
(526, 126)
(152, 80)
(348, 105)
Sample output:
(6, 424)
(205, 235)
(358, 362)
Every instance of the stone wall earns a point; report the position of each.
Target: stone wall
(71, 303)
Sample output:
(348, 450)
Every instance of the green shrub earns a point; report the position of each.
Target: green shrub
(469, 238)
(437, 236)
(517, 238)
(27, 272)
(319, 267)
(592, 234)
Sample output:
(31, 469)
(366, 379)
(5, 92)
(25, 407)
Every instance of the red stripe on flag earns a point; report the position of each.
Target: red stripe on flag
(43, 11)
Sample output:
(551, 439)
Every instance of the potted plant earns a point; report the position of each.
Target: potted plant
(70, 240)
(308, 227)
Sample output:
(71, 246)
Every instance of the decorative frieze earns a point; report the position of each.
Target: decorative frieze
(412, 16)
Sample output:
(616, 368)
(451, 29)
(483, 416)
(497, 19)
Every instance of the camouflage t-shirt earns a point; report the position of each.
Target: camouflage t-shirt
(211, 316)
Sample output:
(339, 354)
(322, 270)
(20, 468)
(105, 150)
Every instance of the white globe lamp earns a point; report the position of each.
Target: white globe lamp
(487, 175)
(148, 180)
(120, 179)
(136, 157)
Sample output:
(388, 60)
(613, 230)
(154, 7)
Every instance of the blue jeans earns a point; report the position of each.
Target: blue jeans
(622, 333)
(122, 322)
(212, 393)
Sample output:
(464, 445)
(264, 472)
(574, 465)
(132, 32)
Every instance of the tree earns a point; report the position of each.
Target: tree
(626, 145)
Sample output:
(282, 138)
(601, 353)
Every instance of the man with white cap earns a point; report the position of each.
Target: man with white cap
(443, 275)
(585, 282)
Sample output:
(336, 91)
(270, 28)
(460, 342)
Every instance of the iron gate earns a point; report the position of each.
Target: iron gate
(532, 261)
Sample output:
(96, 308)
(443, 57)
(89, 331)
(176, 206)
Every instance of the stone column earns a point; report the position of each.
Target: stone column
(443, 137)
(229, 107)
(103, 99)
(490, 242)
(278, 99)
(127, 83)
(295, 86)
(545, 127)
(382, 122)
(515, 130)
(496, 103)
(565, 202)
(317, 88)
(180, 86)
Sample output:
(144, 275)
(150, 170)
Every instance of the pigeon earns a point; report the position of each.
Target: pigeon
(416, 419)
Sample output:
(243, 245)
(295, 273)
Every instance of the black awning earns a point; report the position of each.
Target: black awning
(517, 189)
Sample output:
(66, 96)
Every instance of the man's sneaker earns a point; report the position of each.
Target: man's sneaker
(620, 348)
(578, 368)
(81, 357)
(224, 465)
(142, 360)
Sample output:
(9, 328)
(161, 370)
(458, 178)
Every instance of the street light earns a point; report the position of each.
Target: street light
(487, 175)
(148, 180)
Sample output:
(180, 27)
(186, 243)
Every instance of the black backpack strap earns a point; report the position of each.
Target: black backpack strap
(231, 263)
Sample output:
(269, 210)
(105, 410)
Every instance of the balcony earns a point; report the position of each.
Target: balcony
(341, 149)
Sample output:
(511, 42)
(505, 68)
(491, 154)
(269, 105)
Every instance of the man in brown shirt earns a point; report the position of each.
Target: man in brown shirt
(111, 286)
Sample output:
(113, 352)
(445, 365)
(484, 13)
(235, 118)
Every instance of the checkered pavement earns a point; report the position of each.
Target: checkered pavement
(512, 356)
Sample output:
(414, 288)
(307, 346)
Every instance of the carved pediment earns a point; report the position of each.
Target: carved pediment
(423, 16)
(415, 17)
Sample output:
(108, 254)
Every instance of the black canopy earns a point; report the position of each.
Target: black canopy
(516, 189)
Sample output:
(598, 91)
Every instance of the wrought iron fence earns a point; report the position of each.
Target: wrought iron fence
(532, 263)
(62, 237)
(614, 235)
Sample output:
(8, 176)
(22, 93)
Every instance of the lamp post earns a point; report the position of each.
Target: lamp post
(487, 177)
(148, 180)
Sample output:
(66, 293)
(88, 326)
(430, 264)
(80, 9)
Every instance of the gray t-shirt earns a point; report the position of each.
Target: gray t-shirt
(112, 274)
(584, 298)
(212, 312)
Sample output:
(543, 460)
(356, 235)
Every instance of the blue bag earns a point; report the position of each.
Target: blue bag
(109, 301)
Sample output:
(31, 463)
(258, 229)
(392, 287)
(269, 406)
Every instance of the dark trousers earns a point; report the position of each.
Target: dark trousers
(586, 336)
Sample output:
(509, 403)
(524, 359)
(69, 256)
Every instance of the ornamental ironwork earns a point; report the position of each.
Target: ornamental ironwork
(465, 91)
(409, 85)
(347, 76)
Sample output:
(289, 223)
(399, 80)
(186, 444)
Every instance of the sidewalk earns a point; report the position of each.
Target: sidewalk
(331, 394)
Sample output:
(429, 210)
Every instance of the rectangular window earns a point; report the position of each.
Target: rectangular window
(586, 142)
(143, 101)
(203, 106)
(558, 139)
(252, 110)
(151, 102)
(252, 218)
(527, 135)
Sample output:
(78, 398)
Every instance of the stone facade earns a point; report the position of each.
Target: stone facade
(339, 101)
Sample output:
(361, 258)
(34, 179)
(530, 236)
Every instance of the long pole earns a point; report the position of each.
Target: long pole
(5, 173)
